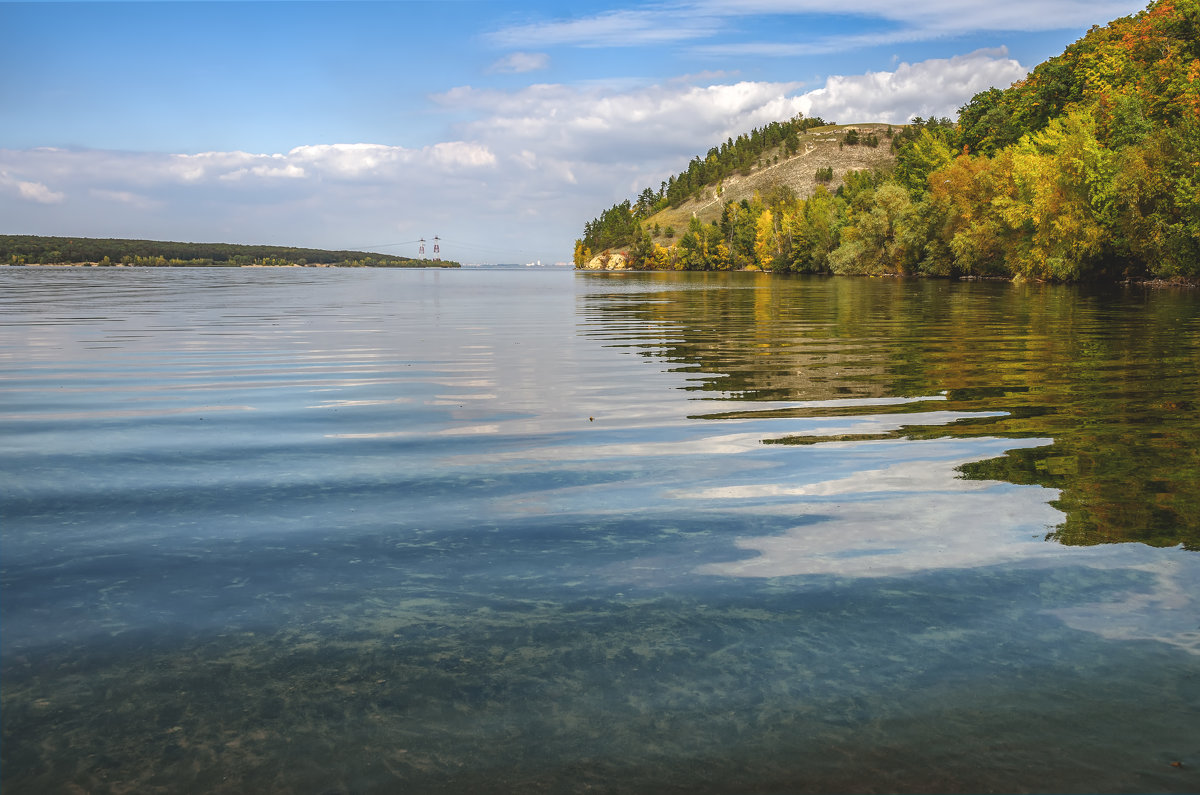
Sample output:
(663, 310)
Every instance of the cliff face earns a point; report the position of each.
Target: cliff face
(606, 262)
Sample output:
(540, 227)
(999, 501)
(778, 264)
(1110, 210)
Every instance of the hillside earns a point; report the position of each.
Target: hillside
(820, 147)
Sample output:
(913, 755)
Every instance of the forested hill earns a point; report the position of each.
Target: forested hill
(1088, 168)
(35, 250)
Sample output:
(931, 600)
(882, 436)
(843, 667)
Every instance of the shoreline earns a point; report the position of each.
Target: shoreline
(1177, 282)
(220, 265)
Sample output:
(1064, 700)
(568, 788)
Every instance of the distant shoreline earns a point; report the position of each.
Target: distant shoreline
(130, 252)
(223, 264)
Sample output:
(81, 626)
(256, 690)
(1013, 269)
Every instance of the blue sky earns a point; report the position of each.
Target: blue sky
(500, 126)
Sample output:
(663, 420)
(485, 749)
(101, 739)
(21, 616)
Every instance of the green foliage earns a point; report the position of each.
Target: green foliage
(615, 227)
(927, 153)
(814, 228)
(1145, 66)
(1156, 201)
(854, 138)
(872, 241)
(30, 249)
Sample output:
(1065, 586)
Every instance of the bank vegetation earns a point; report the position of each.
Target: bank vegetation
(1089, 168)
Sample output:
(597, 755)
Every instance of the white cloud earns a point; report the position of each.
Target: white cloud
(703, 19)
(460, 154)
(944, 15)
(592, 123)
(36, 191)
(621, 28)
(124, 197)
(937, 87)
(521, 62)
(30, 191)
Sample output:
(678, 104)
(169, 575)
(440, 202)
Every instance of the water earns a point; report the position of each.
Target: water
(353, 531)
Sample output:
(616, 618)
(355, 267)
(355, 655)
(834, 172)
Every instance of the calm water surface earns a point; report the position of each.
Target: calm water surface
(345, 531)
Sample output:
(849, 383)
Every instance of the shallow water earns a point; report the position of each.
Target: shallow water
(442, 531)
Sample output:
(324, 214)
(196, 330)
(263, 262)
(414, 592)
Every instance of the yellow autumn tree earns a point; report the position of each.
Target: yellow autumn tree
(1062, 179)
(766, 240)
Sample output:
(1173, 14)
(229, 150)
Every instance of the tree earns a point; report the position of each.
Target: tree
(814, 228)
(917, 160)
(691, 249)
(1062, 178)
(871, 241)
(1157, 201)
(583, 254)
(964, 232)
(660, 259)
(767, 249)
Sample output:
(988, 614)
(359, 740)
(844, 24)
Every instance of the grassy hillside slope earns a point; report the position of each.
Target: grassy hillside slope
(820, 147)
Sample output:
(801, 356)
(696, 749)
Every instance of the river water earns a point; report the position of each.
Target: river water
(359, 531)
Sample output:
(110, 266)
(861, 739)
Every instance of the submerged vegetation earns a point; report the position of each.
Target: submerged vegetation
(35, 250)
(1089, 168)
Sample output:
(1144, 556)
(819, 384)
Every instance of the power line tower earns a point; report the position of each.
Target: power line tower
(436, 249)
(421, 251)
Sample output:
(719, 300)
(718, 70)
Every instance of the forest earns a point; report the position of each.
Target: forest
(36, 250)
(1088, 169)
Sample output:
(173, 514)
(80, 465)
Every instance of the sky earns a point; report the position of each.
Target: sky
(500, 127)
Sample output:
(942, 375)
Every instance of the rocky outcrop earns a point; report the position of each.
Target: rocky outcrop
(607, 262)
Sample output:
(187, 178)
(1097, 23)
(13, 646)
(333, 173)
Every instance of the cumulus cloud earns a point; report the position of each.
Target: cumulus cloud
(36, 191)
(937, 87)
(596, 123)
(29, 190)
(521, 62)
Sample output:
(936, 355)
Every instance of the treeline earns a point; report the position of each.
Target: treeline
(37, 250)
(1088, 168)
(620, 223)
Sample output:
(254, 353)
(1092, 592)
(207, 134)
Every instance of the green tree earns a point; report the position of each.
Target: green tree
(872, 242)
(814, 230)
(1063, 183)
(916, 161)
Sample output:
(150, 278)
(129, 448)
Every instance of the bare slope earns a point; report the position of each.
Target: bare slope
(820, 147)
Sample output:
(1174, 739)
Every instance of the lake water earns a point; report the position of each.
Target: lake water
(365, 531)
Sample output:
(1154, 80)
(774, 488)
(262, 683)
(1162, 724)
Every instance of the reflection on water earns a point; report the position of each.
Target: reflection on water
(1110, 377)
(355, 531)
